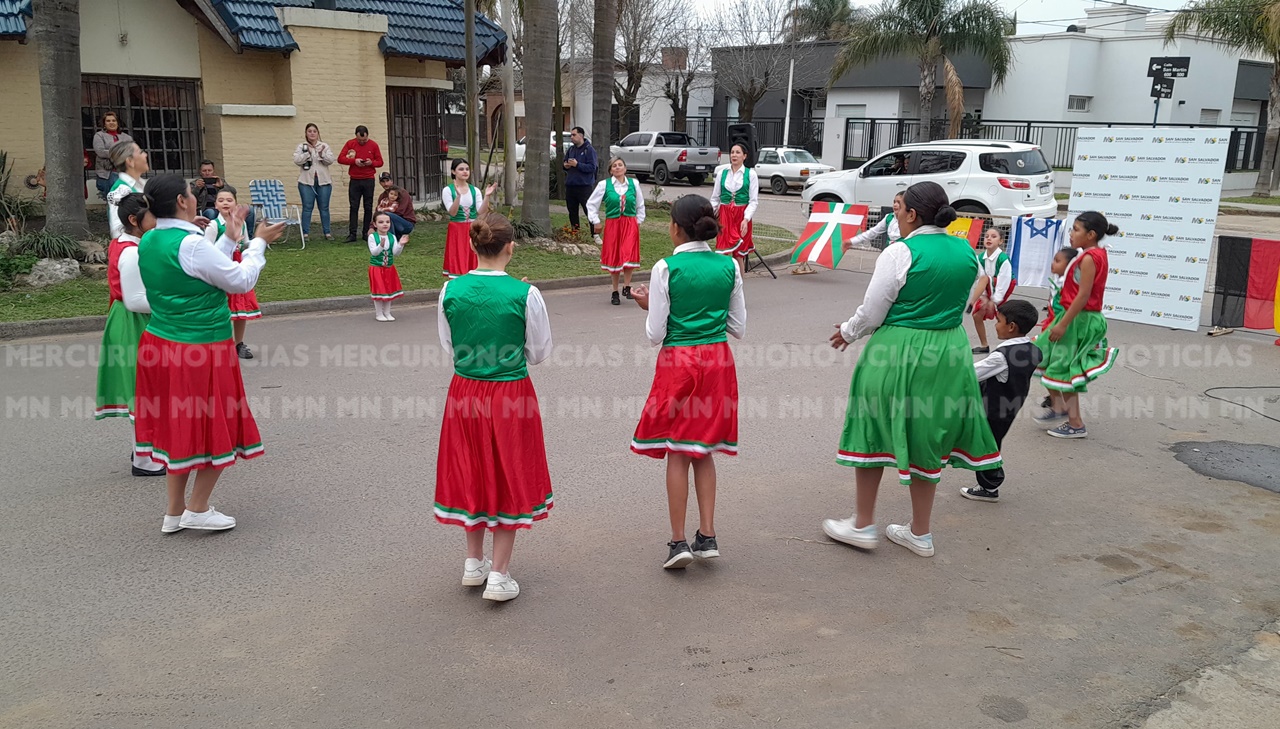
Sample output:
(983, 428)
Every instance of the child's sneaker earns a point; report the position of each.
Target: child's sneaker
(977, 493)
(679, 557)
(1048, 417)
(475, 571)
(921, 544)
(501, 588)
(626, 292)
(843, 530)
(1066, 431)
(705, 547)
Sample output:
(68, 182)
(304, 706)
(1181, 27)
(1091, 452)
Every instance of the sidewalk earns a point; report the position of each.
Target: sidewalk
(1243, 694)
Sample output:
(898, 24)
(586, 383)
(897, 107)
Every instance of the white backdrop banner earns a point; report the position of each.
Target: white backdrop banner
(1161, 188)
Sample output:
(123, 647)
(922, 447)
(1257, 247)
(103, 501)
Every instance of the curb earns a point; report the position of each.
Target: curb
(82, 324)
(1230, 209)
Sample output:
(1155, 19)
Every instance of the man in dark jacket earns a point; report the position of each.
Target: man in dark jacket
(580, 166)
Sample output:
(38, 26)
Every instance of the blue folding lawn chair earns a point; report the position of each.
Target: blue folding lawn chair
(269, 206)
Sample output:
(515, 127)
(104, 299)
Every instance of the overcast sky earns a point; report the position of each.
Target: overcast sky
(1058, 13)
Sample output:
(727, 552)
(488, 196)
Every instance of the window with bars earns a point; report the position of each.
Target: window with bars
(161, 114)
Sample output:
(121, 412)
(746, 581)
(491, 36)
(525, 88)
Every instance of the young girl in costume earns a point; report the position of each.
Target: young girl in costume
(734, 196)
(127, 318)
(887, 227)
(1075, 350)
(491, 472)
(995, 288)
(1054, 310)
(384, 279)
(696, 299)
(243, 306)
(131, 163)
(464, 203)
(914, 402)
(192, 413)
(624, 213)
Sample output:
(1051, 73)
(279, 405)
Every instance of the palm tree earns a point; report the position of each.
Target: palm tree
(818, 20)
(931, 31)
(1249, 26)
(541, 20)
(55, 29)
(603, 65)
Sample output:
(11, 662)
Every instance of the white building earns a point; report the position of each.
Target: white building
(654, 107)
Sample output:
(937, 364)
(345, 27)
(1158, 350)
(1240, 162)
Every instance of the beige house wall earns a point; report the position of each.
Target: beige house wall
(138, 38)
(20, 101)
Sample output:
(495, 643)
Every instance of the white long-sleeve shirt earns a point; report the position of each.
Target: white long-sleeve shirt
(887, 280)
(655, 326)
(995, 364)
(211, 231)
(1000, 279)
(211, 262)
(596, 202)
(133, 292)
(464, 199)
(733, 185)
(378, 243)
(114, 197)
(867, 237)
(537, 323)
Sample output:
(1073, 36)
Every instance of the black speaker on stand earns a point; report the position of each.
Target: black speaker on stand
(745, 134)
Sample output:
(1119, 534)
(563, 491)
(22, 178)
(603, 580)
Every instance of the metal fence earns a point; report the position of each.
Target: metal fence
(867, 138)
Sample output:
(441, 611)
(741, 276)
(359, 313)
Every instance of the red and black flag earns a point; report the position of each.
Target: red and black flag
(1246, 284)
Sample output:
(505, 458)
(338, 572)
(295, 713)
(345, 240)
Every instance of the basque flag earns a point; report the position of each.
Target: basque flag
(830, 226)
(1246, 288)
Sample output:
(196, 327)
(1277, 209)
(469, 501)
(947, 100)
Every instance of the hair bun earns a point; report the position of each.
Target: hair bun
(1112, 229)
(945, 216)
(481, 233)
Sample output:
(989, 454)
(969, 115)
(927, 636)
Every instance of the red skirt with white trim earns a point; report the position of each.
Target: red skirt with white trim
(491, 469)
(982, 300)
(244, 306)
(384, 283)
(730, 240)
(692, 407)
(459, 256)
(621, 247)
(190, 408)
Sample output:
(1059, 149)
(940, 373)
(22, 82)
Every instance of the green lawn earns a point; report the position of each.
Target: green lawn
(1253, 200)
(330, 268)
(1061, 196)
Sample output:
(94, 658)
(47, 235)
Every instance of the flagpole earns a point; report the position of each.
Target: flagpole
(791, 74)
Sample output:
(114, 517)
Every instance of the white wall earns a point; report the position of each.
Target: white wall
(1036, 87)
(161, 39)
(655, 109)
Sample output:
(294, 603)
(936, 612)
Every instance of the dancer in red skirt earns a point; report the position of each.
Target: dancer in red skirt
(243, 306)
(623, 212)
(491, 471)
(692, 409)
(995, 286)
(191, 410)
(734, 197)
(464, 203)
(384, 279)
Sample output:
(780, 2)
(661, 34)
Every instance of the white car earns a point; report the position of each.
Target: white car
(567, 136)
(782, 168)
(1003, 179)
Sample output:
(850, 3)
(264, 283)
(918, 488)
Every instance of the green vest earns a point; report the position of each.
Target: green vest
(700, 285)
(386, 258)
(943, 269)
(183, 309)
(1001, 259)
(463, 215)
(120, 182)
(486, 315)
(243, 243)
(614, 206)
(743, 195)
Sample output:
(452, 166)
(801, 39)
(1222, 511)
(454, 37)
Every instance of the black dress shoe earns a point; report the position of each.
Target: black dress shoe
(143, 472)
(352, 238)
(626, 291)
(615, 300)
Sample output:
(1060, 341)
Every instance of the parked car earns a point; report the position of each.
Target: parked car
(782, 168)
(566, 136)
(1004, 179)
(666, 156)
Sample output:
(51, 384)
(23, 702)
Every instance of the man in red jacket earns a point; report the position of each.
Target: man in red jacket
(363, 158)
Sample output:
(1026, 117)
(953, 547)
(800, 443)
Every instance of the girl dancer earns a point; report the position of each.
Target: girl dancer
(384, 279)
(464, 203)
(192, 414)
(734, 196)
(127, 318)
(492, 467)
(1054, 310)
(692, 409)
(888, 227)
(623, 212)
(243, 306)
(996, 286)
(131, 164)
(1075, 350)
(914, 403)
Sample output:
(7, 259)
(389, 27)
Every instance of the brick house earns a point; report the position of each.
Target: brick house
(237, 81)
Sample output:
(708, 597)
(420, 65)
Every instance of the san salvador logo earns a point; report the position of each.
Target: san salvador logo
(1077, 193)
(1139, 254)
(1210, 140)
(1175, 198)
(1170, 237)
(1158, 140)
(1108, 139)
(1194, 259)
(1109, 307)
(1146, 216)
(1125, 196)
(1153, 178)
(1116, 271)
(1180, 160)
(1104, 177)
(1083, 158)
(1162, 276)
(1130, 158)
(1157, 314)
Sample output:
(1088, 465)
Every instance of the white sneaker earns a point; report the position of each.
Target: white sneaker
(380, 316)
(501, 588)
(474, 571)
(211, 520)
(171, 524)
(921, 544)
(598, 240)
(388, 317)
(843, 530)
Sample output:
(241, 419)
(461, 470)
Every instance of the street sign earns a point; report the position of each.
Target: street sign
(1168, 67)
(1162, 88)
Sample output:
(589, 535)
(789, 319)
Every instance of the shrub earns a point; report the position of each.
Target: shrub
(43, 244)
(12, 266)
(527, 230)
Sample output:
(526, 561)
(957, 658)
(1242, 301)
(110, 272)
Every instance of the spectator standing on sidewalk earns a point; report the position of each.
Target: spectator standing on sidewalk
(580, 166)
(103, 140)
(363, 157)
(313, 157)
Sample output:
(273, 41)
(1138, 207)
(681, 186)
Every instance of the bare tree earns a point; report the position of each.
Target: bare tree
(603, 63)
(754, 63)
(645, 27)
(685, 65)
(55, 28)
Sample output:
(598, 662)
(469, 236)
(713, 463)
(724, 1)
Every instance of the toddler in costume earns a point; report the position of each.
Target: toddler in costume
(997, 285)
(243, 306)
(384, 279)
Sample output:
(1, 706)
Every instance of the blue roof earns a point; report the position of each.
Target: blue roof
(255, 23)
(13, 24)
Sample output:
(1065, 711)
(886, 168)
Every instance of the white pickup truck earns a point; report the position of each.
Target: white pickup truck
(666, 156)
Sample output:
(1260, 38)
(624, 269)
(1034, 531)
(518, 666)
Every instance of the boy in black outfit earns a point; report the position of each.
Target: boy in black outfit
(1005, 379)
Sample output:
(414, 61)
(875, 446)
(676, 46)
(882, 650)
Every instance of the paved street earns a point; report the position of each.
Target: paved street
(1111, 573)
